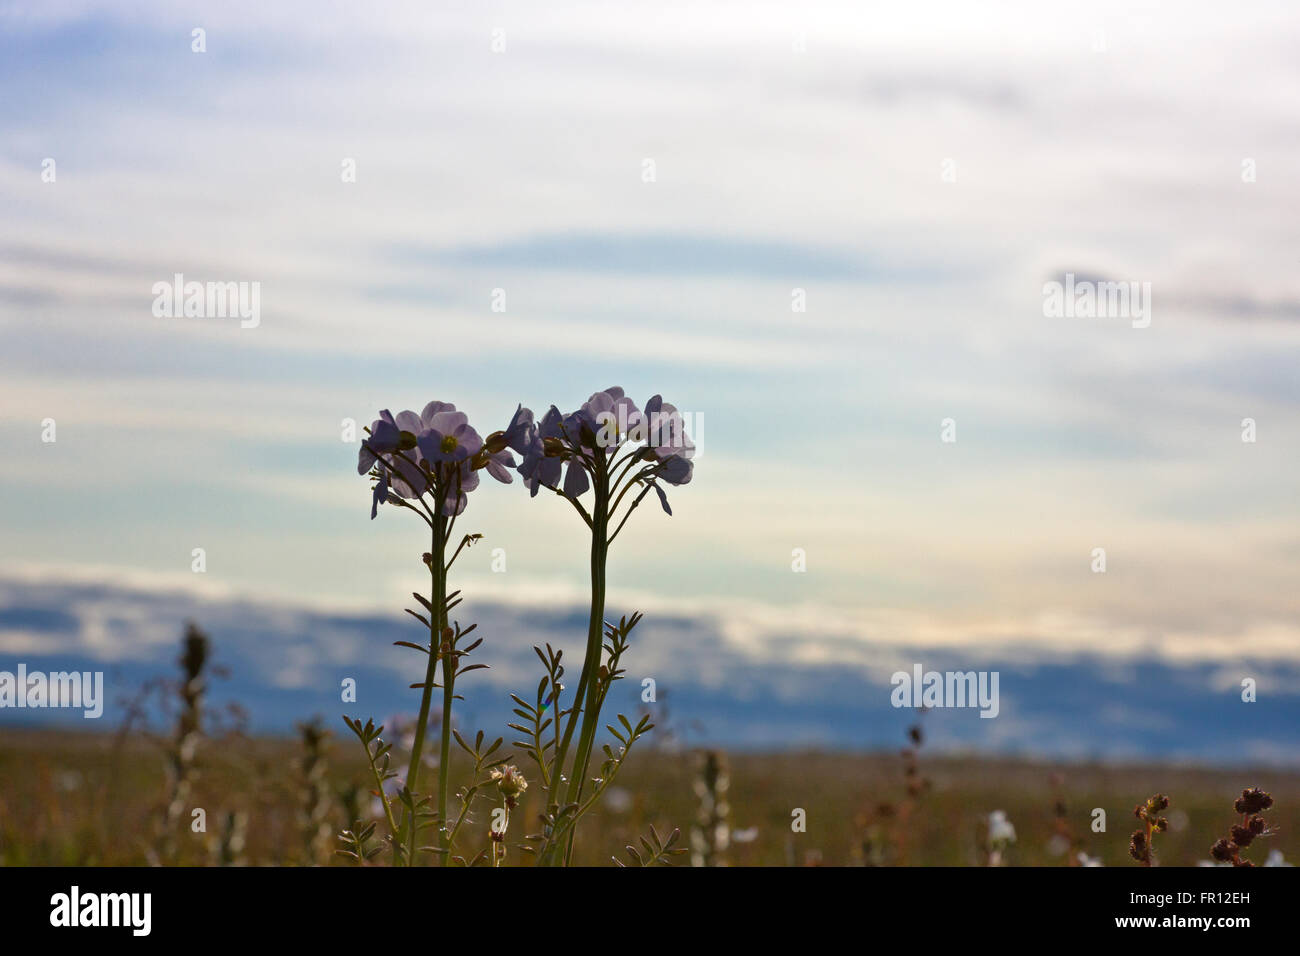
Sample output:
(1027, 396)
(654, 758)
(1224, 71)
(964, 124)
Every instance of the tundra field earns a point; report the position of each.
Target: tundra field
(69, 798)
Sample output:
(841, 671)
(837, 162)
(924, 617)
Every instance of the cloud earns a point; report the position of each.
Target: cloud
(789, 686)
(665, 254)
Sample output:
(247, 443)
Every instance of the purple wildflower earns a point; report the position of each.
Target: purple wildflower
(384, 438)
(665, 430)
(541, 467)
(611, 415)
(498, 465)
(448, 437)
(519, 433)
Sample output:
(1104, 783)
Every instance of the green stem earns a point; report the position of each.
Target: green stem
(444, 757)
(437, 621)
(591, 664)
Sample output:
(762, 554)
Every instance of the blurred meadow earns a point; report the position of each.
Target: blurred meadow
(87, 799)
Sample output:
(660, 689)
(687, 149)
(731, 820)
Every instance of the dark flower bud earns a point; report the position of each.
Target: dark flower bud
(1137, 847)
(552, 447)
(447, 634)
(1242, 835)
(915, 734)
(406, 441)
(1140, 811)
(1256, 825)
(1158, 802)
(1161, 825)
(1253, 801)
(1223, 851)
(495, 443)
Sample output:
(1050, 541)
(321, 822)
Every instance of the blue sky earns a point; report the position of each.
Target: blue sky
(793, 148)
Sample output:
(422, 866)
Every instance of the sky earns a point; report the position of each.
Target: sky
(649, 186)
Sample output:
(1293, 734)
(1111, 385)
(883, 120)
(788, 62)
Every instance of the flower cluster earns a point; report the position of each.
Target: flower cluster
(1139, 846)
(1250, 805)
(569, 453)
(437, 452)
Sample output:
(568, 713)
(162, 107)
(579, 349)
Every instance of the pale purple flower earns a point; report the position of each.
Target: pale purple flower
(611, 415)
(520, 432)
(499, 464)
(608, 420)
(575, 480)
(665, 430)
(445, 446)
(384, 438)
(537, 468)
(676, 470)
(448, 437)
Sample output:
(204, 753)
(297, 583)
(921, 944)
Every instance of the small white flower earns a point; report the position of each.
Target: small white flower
(1275, 859)
(509, 781)
(1000, 828)
(1085, 860)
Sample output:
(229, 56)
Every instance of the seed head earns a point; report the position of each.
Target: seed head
(1223, 851)
(1137, 846)
(1253, 801)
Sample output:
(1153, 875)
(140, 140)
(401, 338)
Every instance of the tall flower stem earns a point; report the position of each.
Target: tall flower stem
(444, 755)
(437, 621)
(590, 682)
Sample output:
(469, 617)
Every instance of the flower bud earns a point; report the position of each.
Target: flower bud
(1223, 851)
(1253, 801)
(495, 443)
(509, 781)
